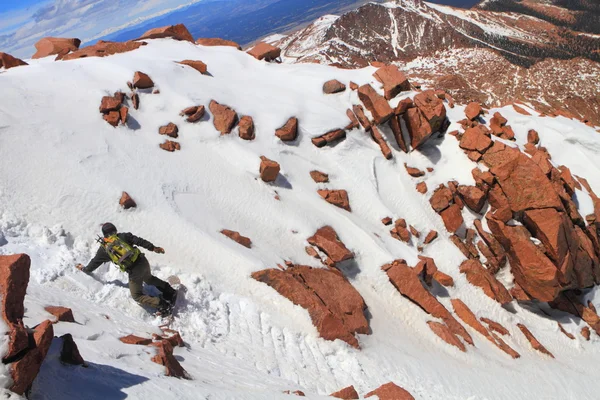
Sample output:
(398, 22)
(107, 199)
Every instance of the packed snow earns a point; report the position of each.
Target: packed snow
(63, 169)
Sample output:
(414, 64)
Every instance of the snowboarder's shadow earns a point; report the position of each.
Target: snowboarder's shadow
(118, 283)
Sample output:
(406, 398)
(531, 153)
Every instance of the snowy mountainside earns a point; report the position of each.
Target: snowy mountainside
(63, 169)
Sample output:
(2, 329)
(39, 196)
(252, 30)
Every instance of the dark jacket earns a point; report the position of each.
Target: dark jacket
(102, 257)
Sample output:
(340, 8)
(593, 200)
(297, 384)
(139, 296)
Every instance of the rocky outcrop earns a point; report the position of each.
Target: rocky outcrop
(265, 51)
(196, 64)
(236, 237)
(390, 391)
(7, 61)
(103, 49)
(333, 86)
(170, 146)
(136, 340)
(327, 241)
(165, 357)
(432, 108)
(319, 177)
(334, 305)
(246, 128)
(62, 314)
(394, 81)
(269, 169)
(478, 276)
(171, 130)
(289, 131)
(141, 80)
(347, 393)
(224, 117)
(177, 32)
(476, 139)
(69, 353)
(338, 198)
(126, 201)
(375, 103)
(49, 46)
(217, 42)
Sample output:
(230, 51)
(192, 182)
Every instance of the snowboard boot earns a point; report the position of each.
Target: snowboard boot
(164, 308)
(170, 295)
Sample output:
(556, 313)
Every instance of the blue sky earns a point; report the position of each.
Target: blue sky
(24, 22)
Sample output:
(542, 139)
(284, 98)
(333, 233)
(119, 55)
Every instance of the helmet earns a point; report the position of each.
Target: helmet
(108, 229)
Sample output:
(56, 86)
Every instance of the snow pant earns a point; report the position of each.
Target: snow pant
(140, 274)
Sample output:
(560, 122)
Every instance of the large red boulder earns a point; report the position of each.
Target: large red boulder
(396, 128)
(289, 131)
(7, 61)
(196, 64)
(452, 217)
(269, 169)
(473, 110)
(394, 81)
(441, 198)
(103, 49)
(473, 197)
(49, 46)
(475, 139)
(25, 370)
(477, 275)
(141, 80)
(390, 391)
(432, 108)
(347, 393)
(327, 241)
(217, 42)
(418, 128)
(177, 32)
(265, 51)
(334, 305)
(224, 117)
(375, 103)
(14, 278)
(338, 198)
(165, 357)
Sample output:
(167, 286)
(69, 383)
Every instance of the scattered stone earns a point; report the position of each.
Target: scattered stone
(269, 169)
(312, 252)
(165, 357)
(329, 137)
(422, 187)
(396, 128)
(62, 314)
(289, 131)
(333, 86)
(327, 241)
(69, 353)
(585, 332)
(354, 123)
(319, 177)
(353, 86)
(452, 217)
(475, 139)
(534, 342)
(390, 391)
(495, 326)
(386, 221)
(224, 118)
(170, 146)
(477, 275)
(446, 335)
(378, 138)
(394, 81)
(348, 393)
(142, 81)
(113, 118)
(296, 392)
(194, 114)
(196, 64)
(135, 100)
(49, 46)
(132, 339)
(246, 126)
(126, 201)
(338, 198)
(414, 231)
(104, 49)
(170, 130)
(400, 231)
(265, 51)
(236, 237)
(7, 61)
(375, 103)
(567, 334)
(533, 137)
(110, 103)
(414, 172)
(217, 42)
(362, 118)
(177, 32)
(431, 236)
(123, 114)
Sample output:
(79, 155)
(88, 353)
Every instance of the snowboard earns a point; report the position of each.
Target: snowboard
(180, 291)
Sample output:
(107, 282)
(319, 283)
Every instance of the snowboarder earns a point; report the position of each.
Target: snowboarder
(120, 248)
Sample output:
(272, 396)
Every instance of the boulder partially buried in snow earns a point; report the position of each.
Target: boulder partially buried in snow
(236, 237)
(165, 357)
(103, 49)
(338, 198)
(289, 131)
(126, 201)
(49, 46)
(137, 340)
(394, 81)
(142, 81)
(224, 117)
(390, 391)
(327, 241)
(334, 305)
(170, 146)
(265, 51)
(333, 86)
(477, 275)
(14, 278)
(62, 314)
(432, 108)
(217, 42)
(246, 128)
(269, 169)
(196, 64)
(194, 113)
(7, 61)
(170, 130)
(375, 103)
(177, 32)
(347, 393)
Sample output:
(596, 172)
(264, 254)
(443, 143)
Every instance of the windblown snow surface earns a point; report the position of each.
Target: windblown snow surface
(62, 171)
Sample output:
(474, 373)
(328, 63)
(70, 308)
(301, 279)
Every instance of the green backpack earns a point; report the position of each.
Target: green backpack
(120, 252)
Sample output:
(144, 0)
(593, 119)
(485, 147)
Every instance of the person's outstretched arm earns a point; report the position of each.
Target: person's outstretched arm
(137, 241)
(100, 258)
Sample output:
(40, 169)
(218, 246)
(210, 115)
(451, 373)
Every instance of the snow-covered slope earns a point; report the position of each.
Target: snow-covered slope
(63, 169)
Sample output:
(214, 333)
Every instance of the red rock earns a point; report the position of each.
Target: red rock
(482, 179)
(14, 278)
(7, 61)
(378, 138)
(25, 370)
(170, 146)
(569, 303)
(289, 131)
(390, 391)
(327, 241)
(312, 252)
(296, 392)
(362, 118)
(335, 307)
(123, 114)
(478, 276)
(18, 341)
(142, 81)
(51, 46)
(495, 326)
(246, 128)
(452, 217)
(400, 232)
(396, 128)
(403, 106)
(354, 123)
(103, 49)
(473, 197)
(196, 64)
(177, 32)
(422, 187)
(69, 353)
(519, 294)
(418, 128)
(407, 281)
(432, 108)
(414, 231)
(170, 130)
(113, 118)
(446, 335)
(348, 393)
(265, 51)
(196, 114)
(269, 169)
(110, 103)
(507, 133)
(135, 100)
(475, 140)
(132, 339)
(473, 110)
(190, 110)
(585, 332)
(443, 279)
(534, 342)
(236, 237)
(338, 198)
(319, 177)
(375, 103)
(394, 81)
(329, 137)
(386, 221)
(533, 271)
(441, 198)
(333, 86)
(414, 172)
(520, 110)
(174, 338)
(224, 118)
(62, 314)
(431, 236)
(353, 86)
(126, 201)
(217, 42)
(567, 334)
(165, 357)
